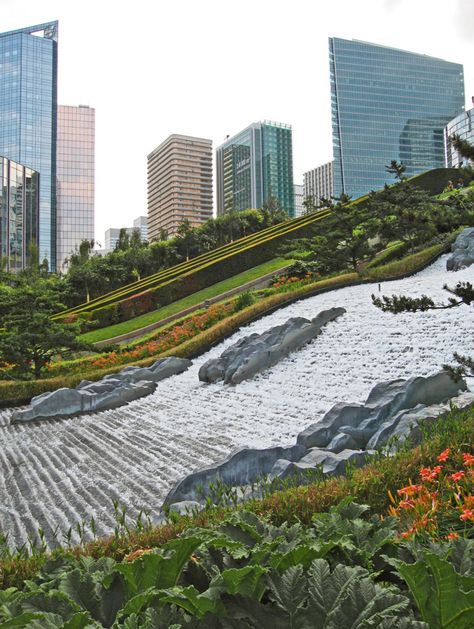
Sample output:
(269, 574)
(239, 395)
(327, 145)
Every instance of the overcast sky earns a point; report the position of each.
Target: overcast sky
(211, 67)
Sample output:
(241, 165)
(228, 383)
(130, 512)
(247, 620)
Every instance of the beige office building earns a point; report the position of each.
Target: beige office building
(179, 184)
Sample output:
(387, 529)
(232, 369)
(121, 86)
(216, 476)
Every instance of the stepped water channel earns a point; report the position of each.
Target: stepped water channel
(56, 473)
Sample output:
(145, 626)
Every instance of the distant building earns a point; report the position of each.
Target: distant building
(141, 223)
(462, 126)
(28, 114)
(255, 165)
(19, 213)
(299, 198)
(388, 104)
(179, 184)
(319, 183)
(112, 235)
(75, 179)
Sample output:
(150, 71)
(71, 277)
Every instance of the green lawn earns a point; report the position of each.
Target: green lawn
(192, 300)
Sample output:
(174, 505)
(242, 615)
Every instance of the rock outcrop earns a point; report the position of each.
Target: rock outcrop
(348, 434)
(462, 251)
(111, 392)
(258, 352)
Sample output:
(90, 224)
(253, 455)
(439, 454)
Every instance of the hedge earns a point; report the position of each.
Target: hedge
(176, 271)
(194, 280)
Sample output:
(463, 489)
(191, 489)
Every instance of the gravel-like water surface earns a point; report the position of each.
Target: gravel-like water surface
(55, 473)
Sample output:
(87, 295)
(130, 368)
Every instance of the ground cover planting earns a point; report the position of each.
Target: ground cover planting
(299, 555)
(182, 304)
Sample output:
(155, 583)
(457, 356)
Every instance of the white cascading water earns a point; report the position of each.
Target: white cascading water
(56, 473)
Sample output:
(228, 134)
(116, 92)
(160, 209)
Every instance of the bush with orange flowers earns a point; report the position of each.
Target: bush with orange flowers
(441, 505)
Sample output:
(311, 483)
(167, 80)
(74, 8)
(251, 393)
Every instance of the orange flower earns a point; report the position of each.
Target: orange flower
(468, 459)
(457, 475)
(406, 504)
(409, 490)
(427, 473)
(452, 536)
(467, 514)
(444, 455)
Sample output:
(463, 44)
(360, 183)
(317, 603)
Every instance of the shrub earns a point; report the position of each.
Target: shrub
(244, 300)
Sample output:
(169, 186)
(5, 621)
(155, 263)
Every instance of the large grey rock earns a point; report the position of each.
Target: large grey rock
(112, 391)
(317, 459)
(462, 251)
(384, 401)
(241, 468)
(257, 352)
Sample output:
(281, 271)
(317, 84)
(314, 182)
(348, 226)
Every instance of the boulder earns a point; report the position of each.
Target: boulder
(112, 391)
(384, 401)
(324, 461)
(243, 467)
(258, 352)
(462, 251)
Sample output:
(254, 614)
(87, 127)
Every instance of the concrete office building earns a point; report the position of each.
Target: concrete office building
(112, 235)
(254, 165)
(319, 183)
(462, 126)
(28, 116)
(179, 184)
(388, 104)
(141, 223)
(75, 179)
(299, 198)
(19, 214)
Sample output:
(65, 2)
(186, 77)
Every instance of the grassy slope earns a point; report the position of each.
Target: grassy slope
(186, 302)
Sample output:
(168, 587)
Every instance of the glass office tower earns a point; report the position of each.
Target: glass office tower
(28, 109)
(254, 165)
(75, 179)
(19, 203)
(388, 104)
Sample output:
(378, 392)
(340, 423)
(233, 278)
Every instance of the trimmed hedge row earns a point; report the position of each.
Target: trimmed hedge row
(207, 274)
(185, 267)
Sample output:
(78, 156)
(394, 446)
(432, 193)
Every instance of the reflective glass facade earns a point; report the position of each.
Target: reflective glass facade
(253, 165)
(19, 204)
(462, 126)
(75, 179)
(28, 104)
(388, 104)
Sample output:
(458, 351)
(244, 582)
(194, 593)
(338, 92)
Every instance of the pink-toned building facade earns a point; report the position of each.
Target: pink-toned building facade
(75, 179)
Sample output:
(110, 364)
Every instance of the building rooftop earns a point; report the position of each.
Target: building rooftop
(48, 30)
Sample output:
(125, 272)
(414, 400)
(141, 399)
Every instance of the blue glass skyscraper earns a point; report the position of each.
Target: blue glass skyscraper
(28, 114)
(388, 104)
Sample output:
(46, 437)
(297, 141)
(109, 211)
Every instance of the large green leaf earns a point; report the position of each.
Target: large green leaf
(302, 555)
(289, 591)
(47, 620)
(444, 597)
(246, 581)
(55, 602)
(80, 587)
(158, 569)
(191, 600)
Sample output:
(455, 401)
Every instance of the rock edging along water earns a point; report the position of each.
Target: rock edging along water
(462, 251)
(112, 391)
(348, 433)
(258, 352)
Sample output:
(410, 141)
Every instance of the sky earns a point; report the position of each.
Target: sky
(209, 68)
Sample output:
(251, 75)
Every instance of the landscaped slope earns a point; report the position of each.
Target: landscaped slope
(57, 472)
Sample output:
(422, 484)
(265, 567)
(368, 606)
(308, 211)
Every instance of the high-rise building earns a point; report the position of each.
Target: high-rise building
(463, 127)
(75, 179)
(19, 206)
(299, 198)
(319, 183)
(388, 104)
(179, 184)
(141, 223)
(253, 166)
(28, 115)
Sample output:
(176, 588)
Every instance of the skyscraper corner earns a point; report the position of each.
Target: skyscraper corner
(28, 116)
(388, 104)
